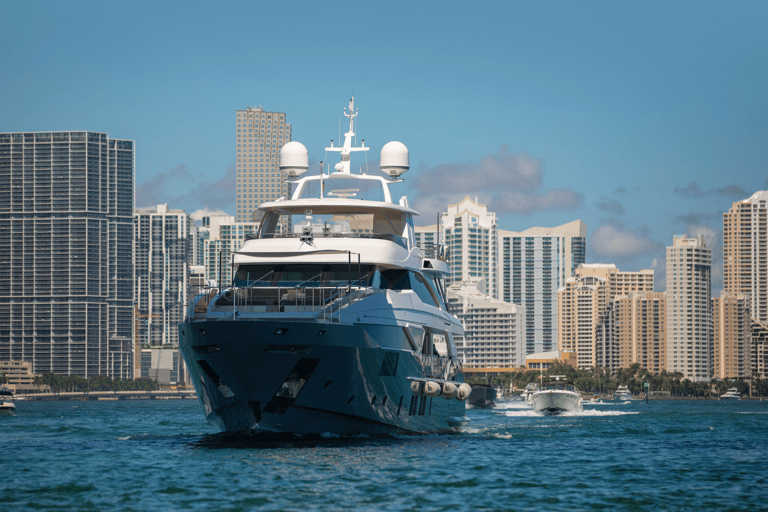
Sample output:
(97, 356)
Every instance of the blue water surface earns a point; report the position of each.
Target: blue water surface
(161, 455)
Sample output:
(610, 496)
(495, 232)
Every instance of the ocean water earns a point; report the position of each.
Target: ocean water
(161, 455)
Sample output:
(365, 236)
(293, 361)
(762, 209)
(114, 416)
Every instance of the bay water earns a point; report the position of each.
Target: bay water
(161, 455)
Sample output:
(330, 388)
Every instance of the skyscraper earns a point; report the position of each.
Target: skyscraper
(66, 235)
(533, 265)
(689, 308)
(745, 252)
(469, 231)
(163, 255)
(260, 135)
(732, 336)
(583, 306)
(636, 331)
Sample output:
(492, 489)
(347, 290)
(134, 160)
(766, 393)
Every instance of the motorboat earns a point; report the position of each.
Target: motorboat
(731, 394)
(6, 401)
(556, 397)
(482, 397)
(335, 321)
(529, 390)
(622, 394)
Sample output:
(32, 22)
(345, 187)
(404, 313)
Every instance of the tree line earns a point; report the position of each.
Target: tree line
(602, 381)
(73, 383)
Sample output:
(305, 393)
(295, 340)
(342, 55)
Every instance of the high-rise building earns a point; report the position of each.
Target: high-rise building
(524, 268)
(745, 252)
(759, 348)
(492, 328)
(582, 310)
(732, 336)
(689, 303)
(260, 135)
(533, 264)
(469, 232)
(163, 254)
(224, 237)
(66, 237)
(636, 331)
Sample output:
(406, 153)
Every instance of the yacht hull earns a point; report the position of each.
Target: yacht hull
(309, 377)
(556, 402)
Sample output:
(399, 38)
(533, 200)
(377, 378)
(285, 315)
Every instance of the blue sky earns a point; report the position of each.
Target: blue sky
(642, 119)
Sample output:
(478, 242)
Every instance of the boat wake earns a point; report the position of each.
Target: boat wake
(523, 410)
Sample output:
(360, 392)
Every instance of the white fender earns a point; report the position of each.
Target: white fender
(464, 391)
(449, 390)
(416, 388)
(432, 389)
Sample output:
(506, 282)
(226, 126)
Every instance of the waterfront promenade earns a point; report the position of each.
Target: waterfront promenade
(182, 394)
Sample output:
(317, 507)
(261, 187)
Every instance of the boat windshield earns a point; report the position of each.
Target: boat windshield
(561, 386)
(335, 222)
(346, 188)
(334, 275)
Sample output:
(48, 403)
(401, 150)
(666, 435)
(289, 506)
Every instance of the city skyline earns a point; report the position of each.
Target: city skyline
(547, 115)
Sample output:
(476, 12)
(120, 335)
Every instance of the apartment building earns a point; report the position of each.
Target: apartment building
(66, 236)
(493, 328)
(224, 237)
(583, 306)
(759, 348)
(636, 331)
(533, 264)
(260, 136)
(689, 308)
(745, 252)
(163, 248)
(732, 336)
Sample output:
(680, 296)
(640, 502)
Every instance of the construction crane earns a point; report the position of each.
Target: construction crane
(136, 344)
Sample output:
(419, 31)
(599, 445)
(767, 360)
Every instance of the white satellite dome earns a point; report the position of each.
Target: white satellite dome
(394, 158)
(293, 158)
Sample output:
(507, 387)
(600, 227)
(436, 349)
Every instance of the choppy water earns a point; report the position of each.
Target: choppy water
(160, 455)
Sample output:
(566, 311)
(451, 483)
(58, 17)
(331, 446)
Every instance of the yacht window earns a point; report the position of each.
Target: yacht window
(303, 275)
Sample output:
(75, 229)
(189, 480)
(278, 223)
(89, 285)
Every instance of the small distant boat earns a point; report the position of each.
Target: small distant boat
(595, 400)
(6, 401)
(622, 394)
(482, 397)
(530, 389)
(731, 394)
(556, 397)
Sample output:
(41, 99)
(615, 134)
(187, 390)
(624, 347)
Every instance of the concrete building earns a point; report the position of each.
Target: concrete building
(66, 237)
(732, 336)
(689, 308)
(493, 328)
(225, 236)
(636, 331)
(745, 252)
(545, 360)
(583, 307)
(164, 365)
(759, 348)
(163, 254)
(533, 264)
(469, 232)
(260, 135)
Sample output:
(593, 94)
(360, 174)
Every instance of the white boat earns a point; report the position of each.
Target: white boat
(6, 401)
(731, 394)
(622, 394)
(529, 390)
(335, 321)
(556, 397)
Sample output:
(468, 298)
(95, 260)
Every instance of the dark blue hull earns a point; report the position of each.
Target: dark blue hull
(313, 378)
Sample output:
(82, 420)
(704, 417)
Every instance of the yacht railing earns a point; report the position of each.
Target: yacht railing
(308, 298)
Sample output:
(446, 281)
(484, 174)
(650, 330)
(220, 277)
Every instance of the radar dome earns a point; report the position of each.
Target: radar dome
(394, 159)
(293, 159)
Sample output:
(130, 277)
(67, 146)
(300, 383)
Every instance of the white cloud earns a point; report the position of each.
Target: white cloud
(507, 183)
(613, 242)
